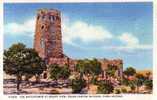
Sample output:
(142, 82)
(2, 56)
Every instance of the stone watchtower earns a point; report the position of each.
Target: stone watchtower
(48, 39)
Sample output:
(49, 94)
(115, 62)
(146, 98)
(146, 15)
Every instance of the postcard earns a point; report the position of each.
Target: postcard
(78, 49)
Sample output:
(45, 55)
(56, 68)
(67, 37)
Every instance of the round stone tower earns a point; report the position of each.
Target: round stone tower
(48, 37)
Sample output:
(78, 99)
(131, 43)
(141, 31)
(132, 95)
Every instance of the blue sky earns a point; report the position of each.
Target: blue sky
(100, 30)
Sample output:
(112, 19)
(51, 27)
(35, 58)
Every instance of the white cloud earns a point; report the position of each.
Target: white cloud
(87, 33)
(27, 28)
(130, 43)
(128, 39)
(83, 31)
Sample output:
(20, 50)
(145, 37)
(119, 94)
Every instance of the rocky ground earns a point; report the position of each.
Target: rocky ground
(50, 87)
(43, 87)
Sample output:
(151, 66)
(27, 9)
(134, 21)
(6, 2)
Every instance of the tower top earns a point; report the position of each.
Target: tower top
(48, 11)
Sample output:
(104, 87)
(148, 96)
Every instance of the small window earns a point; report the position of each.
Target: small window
(49, 17)
(42, 43)
(45, 75)
(52, 18)
(42, 27)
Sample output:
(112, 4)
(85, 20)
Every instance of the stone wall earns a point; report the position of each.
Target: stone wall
(115, 62)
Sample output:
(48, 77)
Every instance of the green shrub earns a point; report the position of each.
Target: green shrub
(117, 91)
(78, 85)
(124, 90)
(148, 84)
(105, 87)
(94, 81)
